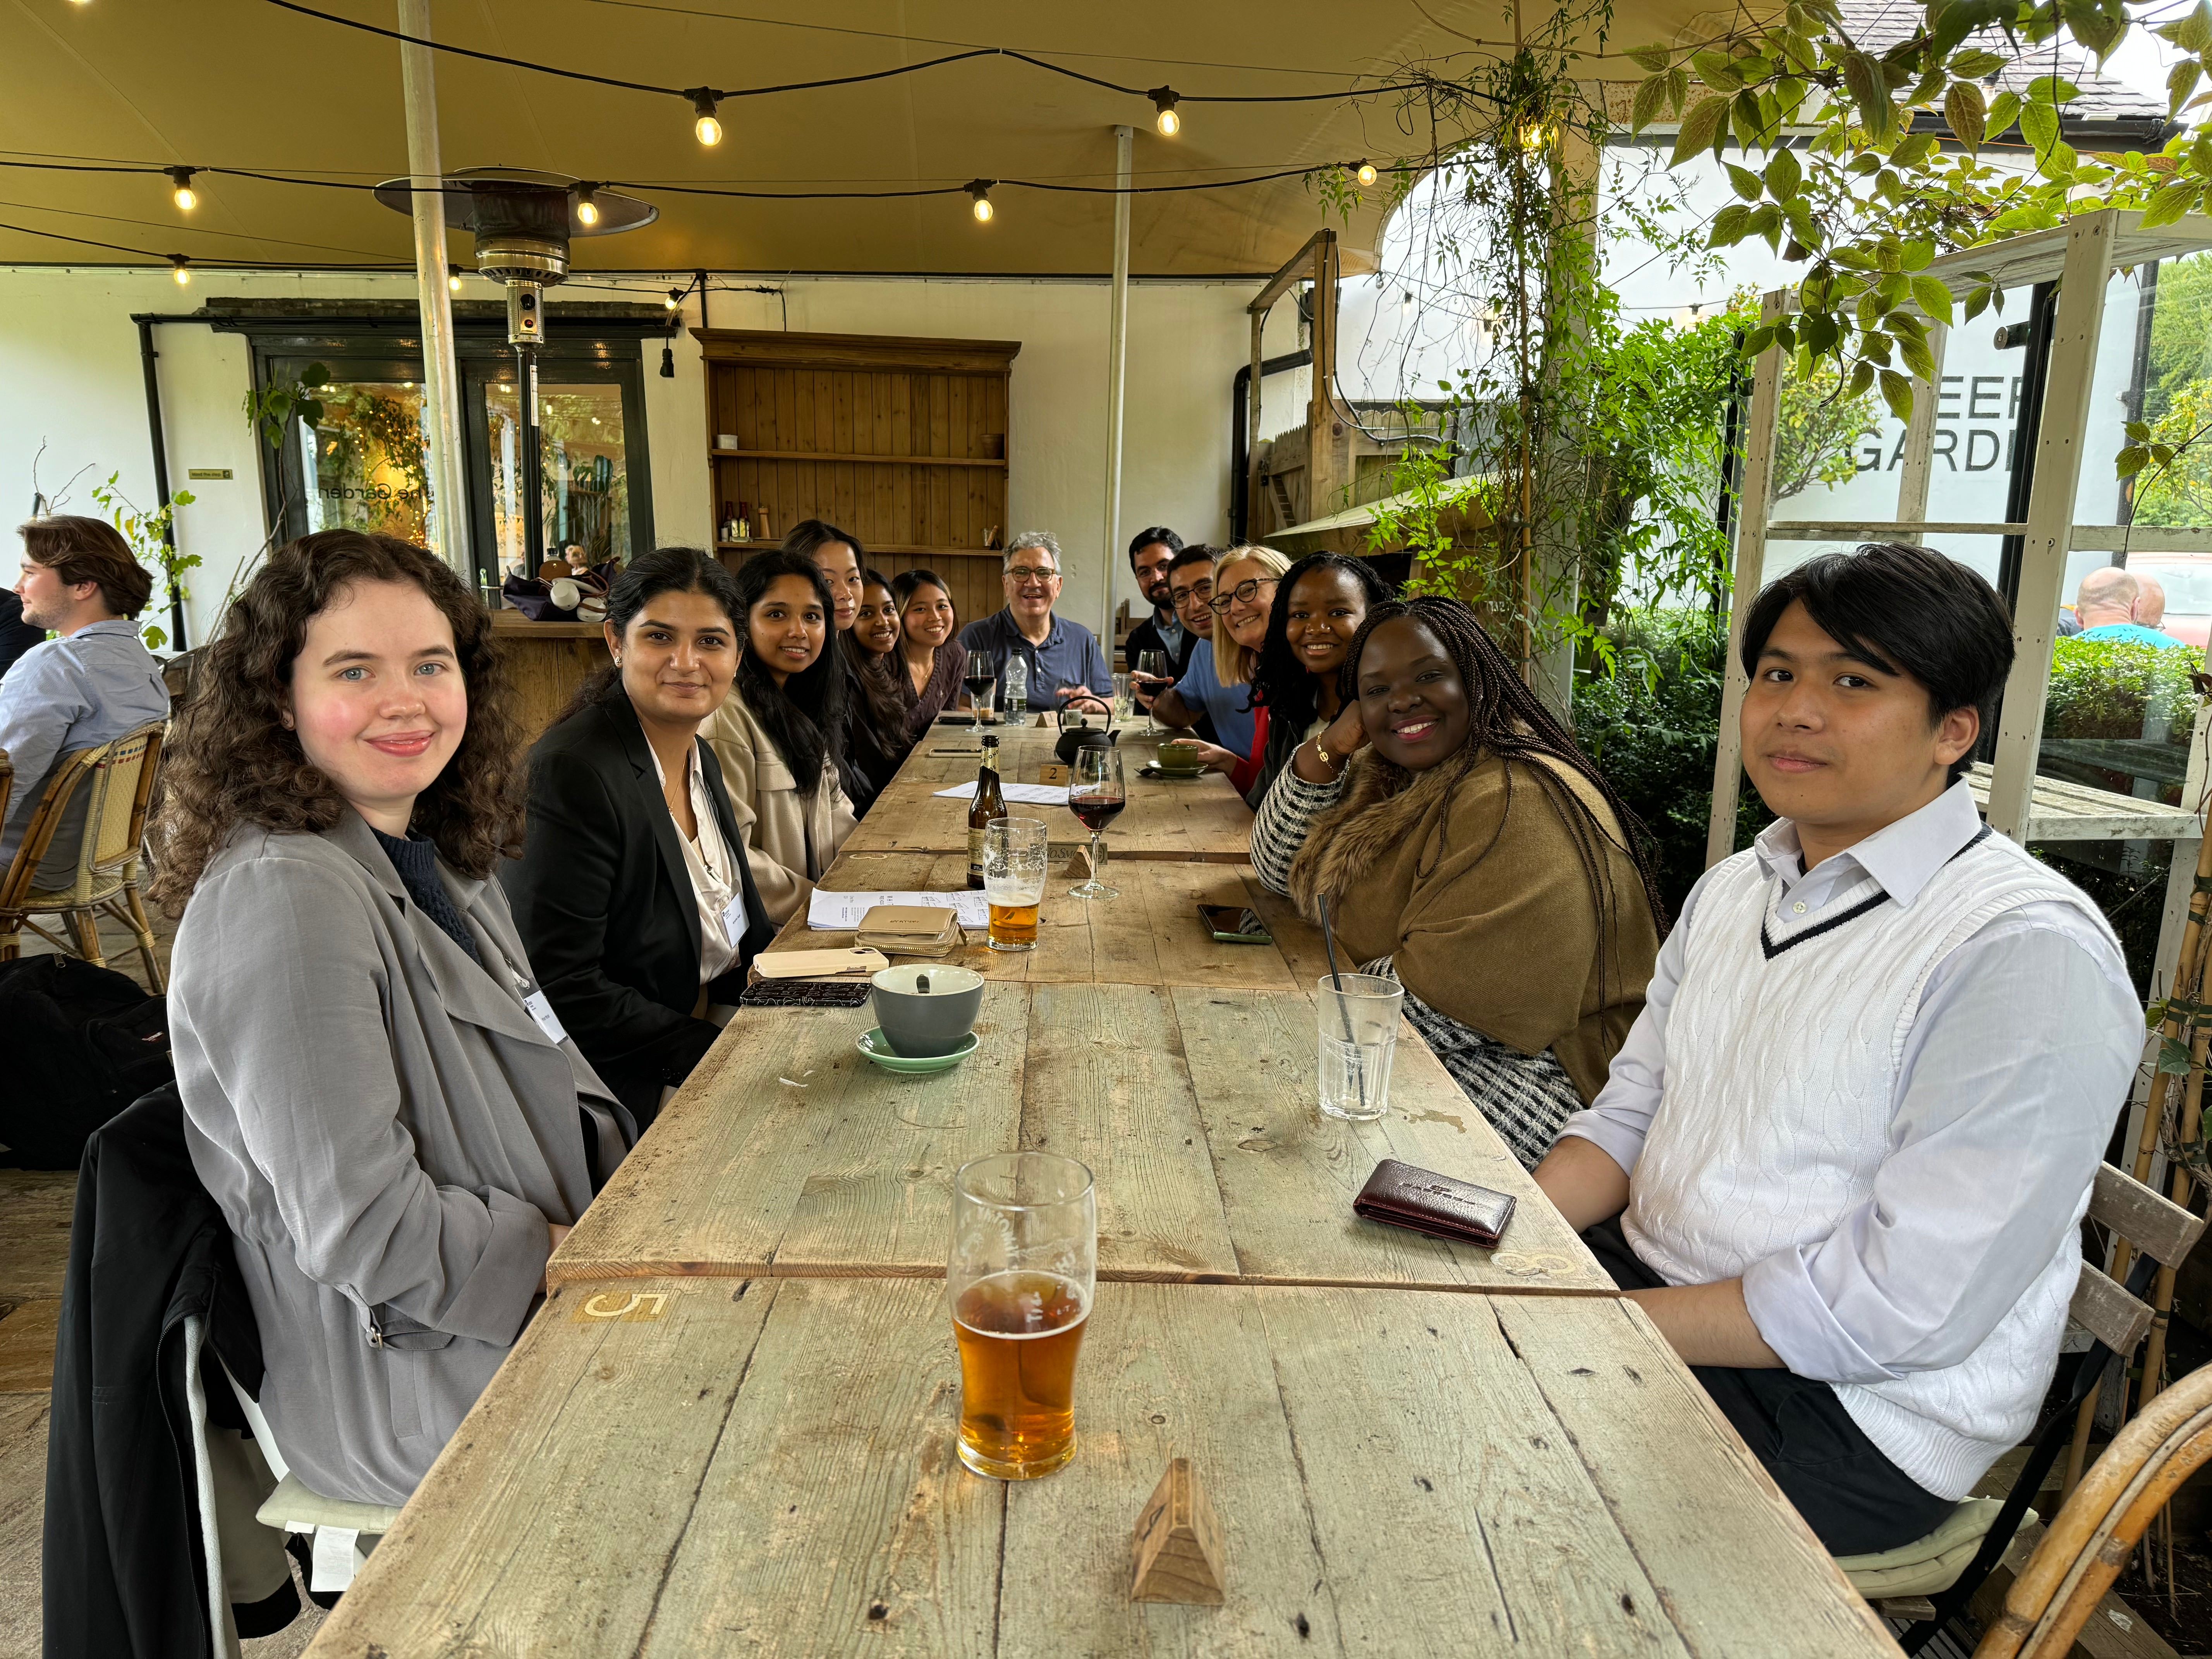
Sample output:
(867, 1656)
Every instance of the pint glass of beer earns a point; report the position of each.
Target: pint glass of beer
(1013, 880)
(1020, 1278)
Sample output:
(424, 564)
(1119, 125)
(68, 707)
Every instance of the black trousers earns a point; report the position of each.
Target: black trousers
(1855, 1500)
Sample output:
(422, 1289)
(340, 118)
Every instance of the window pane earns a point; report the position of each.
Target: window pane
(368, 458)
(585, 502)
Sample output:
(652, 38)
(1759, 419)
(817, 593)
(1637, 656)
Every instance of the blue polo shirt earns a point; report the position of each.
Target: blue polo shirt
(2128, 632)
(1069, 656)
(1223, 704)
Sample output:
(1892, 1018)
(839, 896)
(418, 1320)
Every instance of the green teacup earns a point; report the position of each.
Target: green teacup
(1181, 758)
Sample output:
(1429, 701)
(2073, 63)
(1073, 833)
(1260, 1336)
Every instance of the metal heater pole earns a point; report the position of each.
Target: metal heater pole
(533, 486)
(1117, 339)
(441, 382)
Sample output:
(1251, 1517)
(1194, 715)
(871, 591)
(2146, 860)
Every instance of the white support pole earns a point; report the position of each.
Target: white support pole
(1117, 340)
(1749, 570)
(441, 382)
(2050, 517)
(1912, 478)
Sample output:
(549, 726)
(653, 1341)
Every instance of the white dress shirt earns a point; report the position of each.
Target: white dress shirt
(715, 881)
(2020, 1025)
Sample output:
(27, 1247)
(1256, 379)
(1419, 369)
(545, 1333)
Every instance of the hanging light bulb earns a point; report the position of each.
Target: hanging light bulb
(709, 129)
(1406, 300)
(588, 210)
(1164, 100)
(186, 197)
(453, 278)
(981, 190)
(1366, 173)
(675, 300)
(180, 268)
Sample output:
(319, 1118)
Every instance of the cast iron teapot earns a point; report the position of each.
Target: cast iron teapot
(1079, 736)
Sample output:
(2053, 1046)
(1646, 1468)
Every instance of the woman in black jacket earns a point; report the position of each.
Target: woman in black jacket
(633, 895)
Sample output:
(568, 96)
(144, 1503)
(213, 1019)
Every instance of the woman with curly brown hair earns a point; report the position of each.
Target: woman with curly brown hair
(375, 1090)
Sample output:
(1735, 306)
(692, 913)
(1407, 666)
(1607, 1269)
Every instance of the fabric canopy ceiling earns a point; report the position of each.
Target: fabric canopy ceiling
(247, 84)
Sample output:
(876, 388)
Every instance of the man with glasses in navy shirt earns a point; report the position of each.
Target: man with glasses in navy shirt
(1066, 665)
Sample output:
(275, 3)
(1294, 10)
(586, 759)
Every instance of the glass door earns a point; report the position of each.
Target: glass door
(595, 504)
(364, 464)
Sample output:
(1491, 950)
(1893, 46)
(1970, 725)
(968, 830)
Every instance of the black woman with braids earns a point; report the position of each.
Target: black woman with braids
(1472, 852)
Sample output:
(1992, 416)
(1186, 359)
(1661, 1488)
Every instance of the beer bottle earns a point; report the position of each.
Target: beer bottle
(990, 803)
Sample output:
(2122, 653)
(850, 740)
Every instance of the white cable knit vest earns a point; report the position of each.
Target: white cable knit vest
(1782, 1052)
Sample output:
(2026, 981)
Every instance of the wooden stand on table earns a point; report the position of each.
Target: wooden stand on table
(1178, 1542)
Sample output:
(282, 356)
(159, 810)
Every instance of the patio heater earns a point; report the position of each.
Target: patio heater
(523, 221)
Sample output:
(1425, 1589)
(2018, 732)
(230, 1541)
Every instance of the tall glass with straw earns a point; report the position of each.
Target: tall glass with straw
(1359, 1031)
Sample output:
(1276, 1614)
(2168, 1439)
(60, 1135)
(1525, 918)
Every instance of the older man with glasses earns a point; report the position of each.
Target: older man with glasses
(1063, 658)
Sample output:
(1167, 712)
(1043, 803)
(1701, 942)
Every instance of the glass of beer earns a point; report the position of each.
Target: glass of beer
(1013, 880)
(1020, 1277)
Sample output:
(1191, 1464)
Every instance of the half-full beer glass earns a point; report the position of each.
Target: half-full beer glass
(1020, 1277)
(1014, 853)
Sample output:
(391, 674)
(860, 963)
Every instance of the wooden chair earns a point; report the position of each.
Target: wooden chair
(1951, 1563)
(2100, 1525)
(116, 781)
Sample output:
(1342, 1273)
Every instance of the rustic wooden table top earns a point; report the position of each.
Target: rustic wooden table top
(1196, 818)
(682, 1466)
(1152, 934)
(785, 1152)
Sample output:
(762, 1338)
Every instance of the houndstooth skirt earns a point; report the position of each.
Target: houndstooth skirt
(1526, 1097)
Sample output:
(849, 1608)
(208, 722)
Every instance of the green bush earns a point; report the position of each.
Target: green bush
(2105, 688)
(1650, 725)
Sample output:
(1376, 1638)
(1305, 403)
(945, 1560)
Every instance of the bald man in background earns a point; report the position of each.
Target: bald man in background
(2105, 605)
(2149, 608)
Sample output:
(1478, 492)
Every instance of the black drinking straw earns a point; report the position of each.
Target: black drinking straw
(1328, 942)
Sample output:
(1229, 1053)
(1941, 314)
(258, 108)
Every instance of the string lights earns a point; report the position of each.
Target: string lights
(703, 104)
(588, 210)
(1365, 173)
(181, 269)
(186, 196)
(453, 279)
(1164, 100)
(675, 300)
(981, 190)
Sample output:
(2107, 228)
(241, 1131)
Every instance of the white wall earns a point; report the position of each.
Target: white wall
(70, 376)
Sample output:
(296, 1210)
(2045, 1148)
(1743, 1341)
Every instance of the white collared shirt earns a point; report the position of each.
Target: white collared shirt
(2032, 1015)
(715, 878)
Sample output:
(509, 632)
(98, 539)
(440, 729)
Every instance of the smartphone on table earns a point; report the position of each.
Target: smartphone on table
(1235, 925)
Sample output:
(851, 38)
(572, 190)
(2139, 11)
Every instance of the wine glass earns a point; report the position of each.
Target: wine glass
(1151, 666)
(982, 671)
(1097, 794)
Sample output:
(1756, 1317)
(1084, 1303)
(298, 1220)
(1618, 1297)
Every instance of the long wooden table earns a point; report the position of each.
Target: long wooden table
(1200, 819)
(685, 1466)
(730, 1428)
(1149, 935)
(1195, 1109)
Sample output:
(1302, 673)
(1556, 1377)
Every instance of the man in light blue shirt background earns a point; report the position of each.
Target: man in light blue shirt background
(2105, 605)
(91, 686)
(1066, 666)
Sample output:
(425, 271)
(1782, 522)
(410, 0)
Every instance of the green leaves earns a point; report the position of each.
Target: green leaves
(1933, 296)
(1653, 60)
(1701, 127)
(1729, 225)
(2039, 125)
(1897, 392)
(2180, 82)
(2171, 200)
(1748, 184)
(1964, 113)
(1783, 175)
(1870, 92)
(2004, 110)
(1650, 99)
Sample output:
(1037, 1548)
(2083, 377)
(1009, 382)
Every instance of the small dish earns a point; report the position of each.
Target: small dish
(871, 1044)
(1149, 770)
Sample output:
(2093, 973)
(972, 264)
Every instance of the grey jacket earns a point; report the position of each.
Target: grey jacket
(387, 1130)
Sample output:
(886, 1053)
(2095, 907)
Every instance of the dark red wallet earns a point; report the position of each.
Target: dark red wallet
(1427, 1202)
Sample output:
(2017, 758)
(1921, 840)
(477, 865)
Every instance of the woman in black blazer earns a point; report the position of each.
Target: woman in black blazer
(632, 895)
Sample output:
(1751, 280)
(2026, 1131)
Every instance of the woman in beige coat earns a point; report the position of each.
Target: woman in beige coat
(780, 732)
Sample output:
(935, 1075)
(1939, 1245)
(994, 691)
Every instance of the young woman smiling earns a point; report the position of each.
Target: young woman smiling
(374, 1092)
(632, 888)
(1471, 851)
(779, 733)
(876, 727)
(930, 655)
(1217, 682)
(875, 720)
(1320, 603)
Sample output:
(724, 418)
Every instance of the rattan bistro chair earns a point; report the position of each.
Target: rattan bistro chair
(117, 782)
(1951, 1563)
(2099, 1526)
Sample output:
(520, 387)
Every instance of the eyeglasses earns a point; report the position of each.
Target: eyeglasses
(1243, 593)
(1033, 573)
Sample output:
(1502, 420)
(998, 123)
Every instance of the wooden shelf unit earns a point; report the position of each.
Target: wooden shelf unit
(886, 437)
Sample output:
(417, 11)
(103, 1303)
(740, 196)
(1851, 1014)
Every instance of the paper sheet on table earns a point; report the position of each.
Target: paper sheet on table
(1029, 794)
(833, 911)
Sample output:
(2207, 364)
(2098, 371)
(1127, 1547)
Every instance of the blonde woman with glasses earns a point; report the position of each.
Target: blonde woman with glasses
(1218, 685)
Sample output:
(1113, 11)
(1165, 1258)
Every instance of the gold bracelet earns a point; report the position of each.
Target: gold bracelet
(1322, 754)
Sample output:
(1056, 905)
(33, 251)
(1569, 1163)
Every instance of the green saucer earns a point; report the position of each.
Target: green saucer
(872, 1045)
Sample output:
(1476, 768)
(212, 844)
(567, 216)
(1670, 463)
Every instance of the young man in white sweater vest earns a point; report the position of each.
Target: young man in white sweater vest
(1842, 1156)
